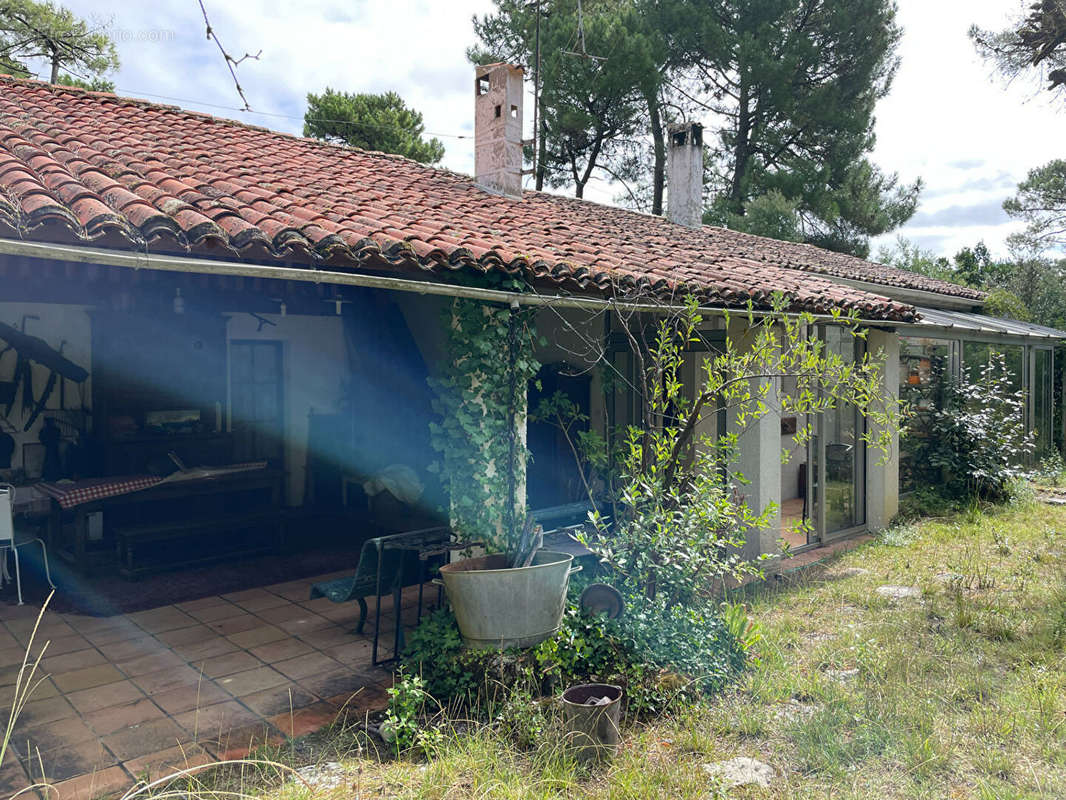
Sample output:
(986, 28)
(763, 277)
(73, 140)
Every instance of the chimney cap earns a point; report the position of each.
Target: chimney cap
(484, 69)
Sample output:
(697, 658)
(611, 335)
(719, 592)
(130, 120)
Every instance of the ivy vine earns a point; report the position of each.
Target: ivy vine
(480, 397)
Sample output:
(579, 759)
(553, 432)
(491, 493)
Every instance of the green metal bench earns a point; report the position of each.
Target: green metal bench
(384, 568)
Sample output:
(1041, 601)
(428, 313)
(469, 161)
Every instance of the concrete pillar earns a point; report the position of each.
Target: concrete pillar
(760, 456)
(882, 471)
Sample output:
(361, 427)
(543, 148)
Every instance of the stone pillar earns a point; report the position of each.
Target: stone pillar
(882, 471)
(760, 456)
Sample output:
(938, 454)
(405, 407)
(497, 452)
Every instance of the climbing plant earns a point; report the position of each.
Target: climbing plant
(480, 397)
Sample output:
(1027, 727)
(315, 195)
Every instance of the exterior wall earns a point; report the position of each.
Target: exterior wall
(56, 324)
(760, 457)
(882, 471)
(315, 368)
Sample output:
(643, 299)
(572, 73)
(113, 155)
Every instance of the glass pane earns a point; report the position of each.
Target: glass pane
(843, 448)
(925, 366)
(1041, 390)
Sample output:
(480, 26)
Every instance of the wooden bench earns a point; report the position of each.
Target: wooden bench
(180, 543)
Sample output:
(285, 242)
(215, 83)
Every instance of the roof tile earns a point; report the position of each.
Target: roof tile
(98, 164)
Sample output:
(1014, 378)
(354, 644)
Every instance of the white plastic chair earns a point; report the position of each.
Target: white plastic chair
(7, 540)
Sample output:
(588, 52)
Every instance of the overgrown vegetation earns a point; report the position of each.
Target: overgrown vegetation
(972, 442)
(959, 692)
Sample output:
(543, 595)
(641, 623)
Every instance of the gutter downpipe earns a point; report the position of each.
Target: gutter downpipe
(205, 266)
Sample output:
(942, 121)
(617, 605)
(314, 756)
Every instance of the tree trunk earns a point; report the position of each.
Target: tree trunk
(659, 144)
(541, 149)
(741, 151)
(55, 69)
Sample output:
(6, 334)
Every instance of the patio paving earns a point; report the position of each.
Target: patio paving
(138, 695)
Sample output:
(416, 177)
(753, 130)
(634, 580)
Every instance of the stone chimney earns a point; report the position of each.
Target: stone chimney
(498, 128)
(684, 174)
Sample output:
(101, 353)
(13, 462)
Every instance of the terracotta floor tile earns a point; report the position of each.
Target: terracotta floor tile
(306, 665)
(356, 653)
(209, 647)
(61, 645)
(328, 637)
(129, 649)
(187, 635)
(261, 602)
(158, 620)
(232, 625)
(228, 664)
(167, 679)
(208, 723)
(110, 694)
(102, 783)
(335, 682)
(10, 673)
(203, 602)
(13, 778)
(43, 688)
(221, 610)
(372, 697)
(280, 699)
(155, 766)
(246, 594)
(319, 604)
(250, 681)
(238, 742)
(115, 718)
(282, 613)
(39, 712)
(257, 636)
(154, 662)
(293, 593)
(87, 678)
(120, 630)
(78, 659)
(187, 698)
(307, 622)
(50, 627)
(57, 735)
(86, 624)
(281, 650)
(145, 738)
(305, 720)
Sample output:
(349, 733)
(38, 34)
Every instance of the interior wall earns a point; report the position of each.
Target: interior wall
(315, 367)
(56, 324)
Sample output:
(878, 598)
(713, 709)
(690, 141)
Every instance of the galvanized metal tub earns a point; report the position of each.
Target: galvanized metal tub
(499, 607)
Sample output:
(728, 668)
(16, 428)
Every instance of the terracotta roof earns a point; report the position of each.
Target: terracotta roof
(96, 167)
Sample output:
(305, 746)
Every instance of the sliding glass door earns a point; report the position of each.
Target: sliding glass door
(837, 454)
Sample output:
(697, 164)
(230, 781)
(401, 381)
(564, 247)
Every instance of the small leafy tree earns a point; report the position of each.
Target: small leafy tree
(370, 122)
(973, 441)
(674, 518)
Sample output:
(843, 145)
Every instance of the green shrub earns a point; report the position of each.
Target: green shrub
(974, 443)
(656, 652)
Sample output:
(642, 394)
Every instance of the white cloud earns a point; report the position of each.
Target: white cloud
(947, 118)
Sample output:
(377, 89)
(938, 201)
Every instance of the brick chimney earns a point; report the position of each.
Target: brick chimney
(498, 128)
(684, 174)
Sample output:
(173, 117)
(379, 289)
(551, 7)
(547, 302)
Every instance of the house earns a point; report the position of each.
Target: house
(237, 295)
(224, 334)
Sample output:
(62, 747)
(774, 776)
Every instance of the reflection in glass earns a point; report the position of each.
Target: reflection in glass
(842, 432)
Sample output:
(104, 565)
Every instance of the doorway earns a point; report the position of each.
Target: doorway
(256, 401)
(836, 455)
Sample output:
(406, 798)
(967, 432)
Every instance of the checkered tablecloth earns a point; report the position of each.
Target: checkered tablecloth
(75, 493)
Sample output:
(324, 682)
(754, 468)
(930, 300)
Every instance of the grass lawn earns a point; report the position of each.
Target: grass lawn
(959, 692)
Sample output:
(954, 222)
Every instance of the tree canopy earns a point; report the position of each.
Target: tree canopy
(1032, 44)
(370, 122)
(1041, 203)
(787, 90)
(30, 29)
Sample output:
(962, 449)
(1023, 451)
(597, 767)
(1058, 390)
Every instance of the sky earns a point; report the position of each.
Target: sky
(948, 119)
